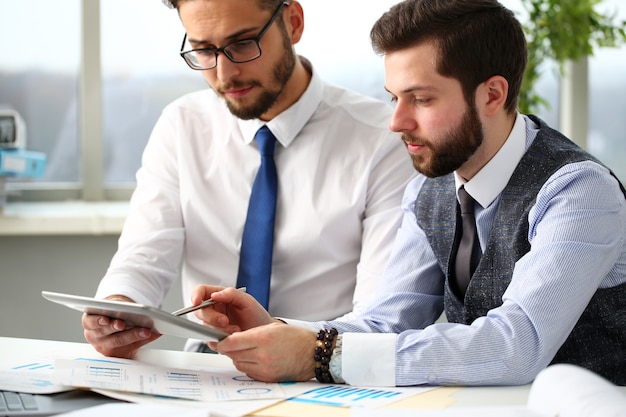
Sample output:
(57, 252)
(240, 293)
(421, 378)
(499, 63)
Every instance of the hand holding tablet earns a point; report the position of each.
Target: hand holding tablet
(139, 315)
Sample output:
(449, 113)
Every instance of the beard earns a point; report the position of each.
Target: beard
(450, 151)
(281, 73)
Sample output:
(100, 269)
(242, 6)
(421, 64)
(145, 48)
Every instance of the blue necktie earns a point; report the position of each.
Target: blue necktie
(255, 262)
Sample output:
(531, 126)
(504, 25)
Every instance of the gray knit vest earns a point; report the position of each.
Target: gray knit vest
(598, 341)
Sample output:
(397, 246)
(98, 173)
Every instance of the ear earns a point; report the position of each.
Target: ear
(294, 21)
(491, 95)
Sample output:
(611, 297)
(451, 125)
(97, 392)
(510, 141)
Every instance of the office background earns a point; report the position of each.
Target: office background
(94, 142)
(72, 264)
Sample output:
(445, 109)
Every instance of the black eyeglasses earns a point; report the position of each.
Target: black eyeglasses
(243, 50)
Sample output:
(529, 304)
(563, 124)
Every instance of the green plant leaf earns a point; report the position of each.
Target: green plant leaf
(559, 31)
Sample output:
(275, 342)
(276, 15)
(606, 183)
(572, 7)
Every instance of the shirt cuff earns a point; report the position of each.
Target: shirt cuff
(369, 359)
(119, 285)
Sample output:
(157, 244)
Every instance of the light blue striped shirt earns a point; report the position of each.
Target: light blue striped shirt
(577, 232)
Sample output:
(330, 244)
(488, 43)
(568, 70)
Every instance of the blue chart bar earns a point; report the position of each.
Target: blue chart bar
(35, 366)
(41, 382)
(345, 396)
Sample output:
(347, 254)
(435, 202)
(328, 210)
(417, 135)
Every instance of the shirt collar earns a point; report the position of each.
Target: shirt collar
(489, 182)
(290, 122)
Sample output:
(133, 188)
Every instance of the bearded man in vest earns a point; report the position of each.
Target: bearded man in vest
(548, 279)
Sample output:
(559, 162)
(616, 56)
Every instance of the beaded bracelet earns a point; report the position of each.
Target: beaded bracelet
(324, 346)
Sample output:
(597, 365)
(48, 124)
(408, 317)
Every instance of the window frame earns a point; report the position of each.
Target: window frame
(91, 187)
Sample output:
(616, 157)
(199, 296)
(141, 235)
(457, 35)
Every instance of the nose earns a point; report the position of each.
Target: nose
(402, 120)
(226, 69)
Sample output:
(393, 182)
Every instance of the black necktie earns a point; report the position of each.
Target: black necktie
(467, 255)
(255, 262)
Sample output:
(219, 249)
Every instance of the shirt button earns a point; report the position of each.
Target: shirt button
(432, 377)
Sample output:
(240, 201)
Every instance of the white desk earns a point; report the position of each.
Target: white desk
(16, 349)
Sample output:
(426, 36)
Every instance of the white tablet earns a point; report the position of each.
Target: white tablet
(138, 315)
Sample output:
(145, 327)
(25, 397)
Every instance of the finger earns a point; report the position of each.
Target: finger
(210, 316)
(102, 326)
(231, 296)
(237, 343)
(92, 321)
(130, 337)
(127, 351)
(228, 328)
(203, 292)
(122, 344)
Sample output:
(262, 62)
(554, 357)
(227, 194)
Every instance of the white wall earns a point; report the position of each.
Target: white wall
(72, 264)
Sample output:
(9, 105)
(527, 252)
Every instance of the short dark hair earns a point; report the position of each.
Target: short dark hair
(264, 4)
(476, 39)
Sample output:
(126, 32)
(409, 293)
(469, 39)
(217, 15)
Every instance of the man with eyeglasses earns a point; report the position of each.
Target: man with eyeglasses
(339, 177)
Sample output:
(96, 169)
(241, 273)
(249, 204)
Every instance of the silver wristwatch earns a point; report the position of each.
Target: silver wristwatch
(335, 361)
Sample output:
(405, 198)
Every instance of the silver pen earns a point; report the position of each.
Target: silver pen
(203, 304)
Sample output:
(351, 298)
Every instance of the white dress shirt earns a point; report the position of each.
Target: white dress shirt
(341, 176)
(397, 343)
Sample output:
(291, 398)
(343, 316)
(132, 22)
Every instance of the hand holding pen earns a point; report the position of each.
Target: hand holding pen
(203, 304)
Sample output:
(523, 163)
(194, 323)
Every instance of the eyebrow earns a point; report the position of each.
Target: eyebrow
(228, 39)
(413, 89)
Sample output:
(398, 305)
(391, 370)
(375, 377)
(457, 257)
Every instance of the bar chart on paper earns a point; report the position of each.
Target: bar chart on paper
(28, 376)
(33, 375)
(190, 384)
(347, 396)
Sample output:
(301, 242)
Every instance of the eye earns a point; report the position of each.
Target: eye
(203, 53)
(243, 46)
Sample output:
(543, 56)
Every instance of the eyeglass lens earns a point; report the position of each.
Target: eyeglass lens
(240, 51)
